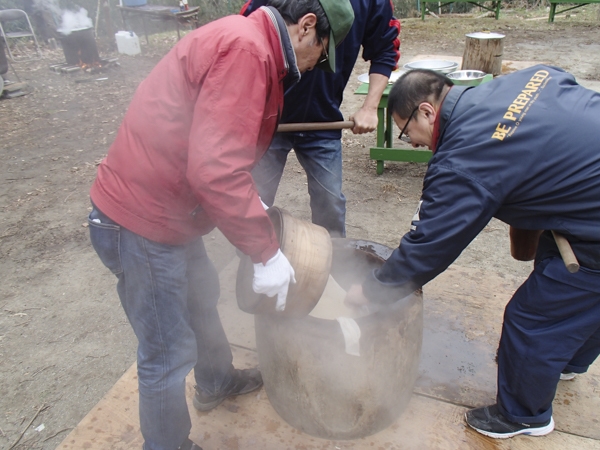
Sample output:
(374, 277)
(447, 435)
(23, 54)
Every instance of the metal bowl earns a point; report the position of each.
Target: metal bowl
(467, 77)
(437, 65)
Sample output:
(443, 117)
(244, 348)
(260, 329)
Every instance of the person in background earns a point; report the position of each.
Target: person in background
(43, 18)
(317, 98)
(179, 166)
(523, 149)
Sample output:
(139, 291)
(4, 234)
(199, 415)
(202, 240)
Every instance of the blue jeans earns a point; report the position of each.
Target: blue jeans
(169, 294)
(551, 324)
(322, 162)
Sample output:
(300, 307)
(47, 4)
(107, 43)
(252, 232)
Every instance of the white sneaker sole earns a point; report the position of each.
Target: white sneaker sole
(541, 431)
(567, 376)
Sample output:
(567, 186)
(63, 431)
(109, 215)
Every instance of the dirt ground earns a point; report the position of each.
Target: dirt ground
(64, 339)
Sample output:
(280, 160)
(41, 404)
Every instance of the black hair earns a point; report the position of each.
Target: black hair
(415, 87)
(293, 10)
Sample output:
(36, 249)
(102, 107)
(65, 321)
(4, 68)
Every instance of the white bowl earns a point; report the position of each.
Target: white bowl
(437, 65)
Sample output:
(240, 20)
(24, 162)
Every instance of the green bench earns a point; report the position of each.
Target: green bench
(578, 4)
(384, 150)
(495, 5)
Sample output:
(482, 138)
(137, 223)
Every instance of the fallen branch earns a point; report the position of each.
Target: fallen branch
(56, 434)
(41, 408)
(40, 370)
(67, 198)
(18, 179)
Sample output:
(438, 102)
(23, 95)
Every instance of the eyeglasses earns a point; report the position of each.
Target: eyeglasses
(324, 55)
(406, 138)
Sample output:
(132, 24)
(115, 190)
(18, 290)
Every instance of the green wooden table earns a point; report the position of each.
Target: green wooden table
(576, 3)
(495, 5)
(385, 151)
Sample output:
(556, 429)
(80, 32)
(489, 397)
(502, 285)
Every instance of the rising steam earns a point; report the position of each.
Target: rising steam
(69, 20)
(75, 20)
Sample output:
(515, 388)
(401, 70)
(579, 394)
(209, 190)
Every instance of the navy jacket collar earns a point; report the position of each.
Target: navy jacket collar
(447, 108)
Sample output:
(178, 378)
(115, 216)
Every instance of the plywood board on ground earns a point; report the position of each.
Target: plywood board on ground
(249, 422)
(463, 317)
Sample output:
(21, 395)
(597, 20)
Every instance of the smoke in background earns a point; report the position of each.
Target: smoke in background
(65, 20)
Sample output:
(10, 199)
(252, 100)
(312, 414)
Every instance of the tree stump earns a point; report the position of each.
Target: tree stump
(483, 51)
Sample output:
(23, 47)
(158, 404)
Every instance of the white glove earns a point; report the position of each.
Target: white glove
(263, 203)
(274, 278)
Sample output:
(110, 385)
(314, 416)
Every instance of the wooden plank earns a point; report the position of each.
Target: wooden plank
(463, 319)
(249, 422)
(113, 423)
(463, 314)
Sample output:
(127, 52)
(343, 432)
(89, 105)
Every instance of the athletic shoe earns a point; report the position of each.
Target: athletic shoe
(189, 445)
(566, 375)
(242, 382)
(490, 422)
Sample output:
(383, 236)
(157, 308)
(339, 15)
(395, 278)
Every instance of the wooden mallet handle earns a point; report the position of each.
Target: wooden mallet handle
(566, 252)
(314, 126)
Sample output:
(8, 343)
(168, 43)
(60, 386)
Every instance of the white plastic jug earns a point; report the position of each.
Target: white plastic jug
(128, 43)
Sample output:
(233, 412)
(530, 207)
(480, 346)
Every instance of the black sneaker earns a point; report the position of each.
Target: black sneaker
(566, 375)
(243, 381)
(189, 445)
(490, 422)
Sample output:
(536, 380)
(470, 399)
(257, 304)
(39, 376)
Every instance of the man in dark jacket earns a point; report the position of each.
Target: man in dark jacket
(523, 148)
(317, 98)
(179, 166)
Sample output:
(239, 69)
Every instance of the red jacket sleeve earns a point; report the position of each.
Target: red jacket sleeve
(228, 119)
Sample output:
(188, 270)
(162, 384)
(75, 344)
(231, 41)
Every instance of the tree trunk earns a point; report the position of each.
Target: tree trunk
(483, 51)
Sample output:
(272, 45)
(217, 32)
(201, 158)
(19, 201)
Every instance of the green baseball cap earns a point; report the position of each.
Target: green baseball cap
(341, 17)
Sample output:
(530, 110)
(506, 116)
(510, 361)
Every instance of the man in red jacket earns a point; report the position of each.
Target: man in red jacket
(180, 165)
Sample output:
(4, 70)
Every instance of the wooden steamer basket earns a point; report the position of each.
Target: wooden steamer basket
(308, 248)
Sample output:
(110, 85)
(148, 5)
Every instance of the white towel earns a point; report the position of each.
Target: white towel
(351, 332)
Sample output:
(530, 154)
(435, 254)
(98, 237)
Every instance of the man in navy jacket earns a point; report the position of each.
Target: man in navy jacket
(317, 98)
(524, 148)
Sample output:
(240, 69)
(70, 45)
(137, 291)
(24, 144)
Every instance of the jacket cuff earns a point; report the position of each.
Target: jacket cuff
(382, 69)
(385, 293)
(266, 254)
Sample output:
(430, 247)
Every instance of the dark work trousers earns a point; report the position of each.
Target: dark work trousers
(551, 324)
